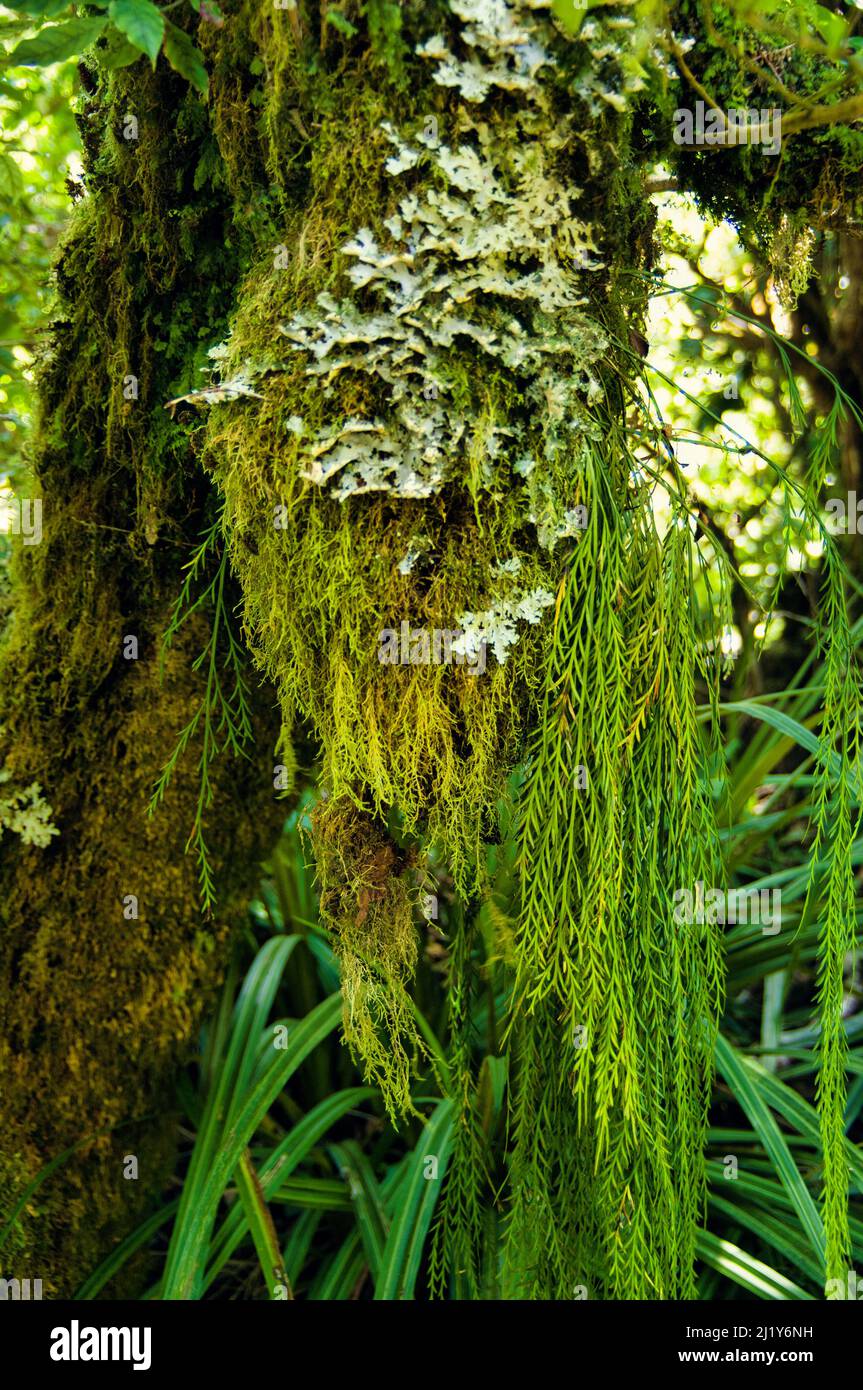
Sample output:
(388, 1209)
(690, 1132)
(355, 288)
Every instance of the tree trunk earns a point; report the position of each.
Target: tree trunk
(107, 961)
(239, 209)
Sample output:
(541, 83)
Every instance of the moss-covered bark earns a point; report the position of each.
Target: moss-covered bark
(235, 215)
(501, 189)
(98, 1004)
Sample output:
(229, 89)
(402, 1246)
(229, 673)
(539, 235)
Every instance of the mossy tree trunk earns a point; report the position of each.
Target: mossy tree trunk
(233, 213)
(106, 961)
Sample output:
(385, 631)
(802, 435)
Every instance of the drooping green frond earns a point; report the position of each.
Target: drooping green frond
(836, 821)
(441, 443)
(221, 721)
(627, 992)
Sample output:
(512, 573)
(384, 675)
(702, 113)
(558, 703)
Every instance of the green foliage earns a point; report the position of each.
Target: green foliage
(567, 1089)
(784, 1158)
(252, 1075)
(388, 45)
(142, 22)
(145, 262)
(130, 28)
(385, 493)
(340, 22)
(426, 483)
(571, 13)
(775, 58)
(836, 817)
(39, 144)
(56, 42)
(222, 721)
(344, 1207)
(600, 959)
(42, 9)
(835, 813)
(185, 58)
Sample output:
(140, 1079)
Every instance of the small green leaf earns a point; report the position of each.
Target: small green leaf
(260, 1224)
(56, 43)
(341, 22)
(743, 1075)
(185, 58)
(141, 22)
(402, 1254)
(11, 181)
(570, 13)
(119, 53)
(758, 1279)
(832, 27)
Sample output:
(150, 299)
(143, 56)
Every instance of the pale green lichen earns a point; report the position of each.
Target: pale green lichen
(418, 549)
(509, 53)
(487, 251)
(495, 627)
(26, 813)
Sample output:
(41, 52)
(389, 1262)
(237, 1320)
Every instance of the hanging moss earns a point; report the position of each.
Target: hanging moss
(439, 335)
(439, 441)
(369, 897)
(421, 336)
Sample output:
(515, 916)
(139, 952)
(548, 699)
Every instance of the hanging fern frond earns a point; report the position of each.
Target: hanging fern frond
(222, 720)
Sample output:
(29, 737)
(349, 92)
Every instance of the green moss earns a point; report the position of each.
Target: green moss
(813, 181)
(230, 225)
(369, 896)
(323, 578)
(98, 1008)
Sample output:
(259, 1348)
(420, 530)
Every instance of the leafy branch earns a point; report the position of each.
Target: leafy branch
(131, 28)
(223, 717)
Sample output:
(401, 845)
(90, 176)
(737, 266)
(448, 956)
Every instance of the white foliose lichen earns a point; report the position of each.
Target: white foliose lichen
(26, 813)
(512, 52)
(496, 627)
(417, 550)
(484, 267)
